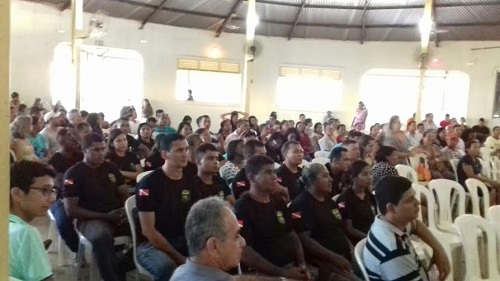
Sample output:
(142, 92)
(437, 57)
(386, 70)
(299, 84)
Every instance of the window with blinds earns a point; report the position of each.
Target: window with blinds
(309, 89)
(204, 79)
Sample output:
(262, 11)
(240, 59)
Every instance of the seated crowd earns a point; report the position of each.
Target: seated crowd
(240, 199)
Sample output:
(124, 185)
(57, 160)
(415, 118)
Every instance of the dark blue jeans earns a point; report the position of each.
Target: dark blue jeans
(65, 226)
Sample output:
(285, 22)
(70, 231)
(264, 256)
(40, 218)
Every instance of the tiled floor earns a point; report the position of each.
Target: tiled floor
(68, 271)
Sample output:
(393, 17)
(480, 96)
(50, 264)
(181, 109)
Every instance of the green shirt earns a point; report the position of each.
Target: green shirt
(28, 258)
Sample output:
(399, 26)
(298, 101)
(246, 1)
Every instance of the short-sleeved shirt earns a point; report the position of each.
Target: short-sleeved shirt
(125, 163)
(467, 160)
(40, 145)
(389, 254)
(266, 228)
(28, 259)
(153, 162)
(190, 170)
(165, 130)
(218, 188)
(169, 199)
(195, 271)
(96, 188)
(361, 212)
(289, 180)
(240, 184)
(228, 171)
(61, 164)
(382, 169)
(323, 220)
(340, 181)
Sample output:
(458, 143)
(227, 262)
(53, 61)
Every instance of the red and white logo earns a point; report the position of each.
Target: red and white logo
(296, 215)
(240, 223)
(143, 192)
(240, 184)
(342, 205)
(69, 182)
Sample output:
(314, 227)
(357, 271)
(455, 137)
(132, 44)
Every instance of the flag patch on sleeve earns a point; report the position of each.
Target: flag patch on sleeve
(240, 183)
(342, 205)
(296, 215)
(69, 182)
(143, 192)
(240, 223)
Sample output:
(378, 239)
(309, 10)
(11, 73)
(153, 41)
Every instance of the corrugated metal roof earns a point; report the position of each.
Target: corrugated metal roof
(386, 20)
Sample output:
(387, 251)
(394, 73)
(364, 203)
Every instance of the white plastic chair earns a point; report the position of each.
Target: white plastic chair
(407, 172)
(454, 165)
(130, 205)
(468, 227)
(358, 254)
(305, 163)
(443, 189)
(141, 175)
(473, 185)
(415, 160)
(486, 167)
(449, 241)
(321, 154)
(320, 160)
(493, 214)
(486, 152)
(61, 248)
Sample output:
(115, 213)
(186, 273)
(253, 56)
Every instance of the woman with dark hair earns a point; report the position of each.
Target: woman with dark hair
(234, 160)
(187, 119)
(146, 141)
(469, 167)
(292, 135)
(254, 124)
(305, 141)
(95, 123)
(366, 144)
(119, 154)
(375, 130)
(184, 129)
(357, 204)
(234, 117)
(441, 138)
(224, 131)
(316, 135)
(319, 226)
(386, 159)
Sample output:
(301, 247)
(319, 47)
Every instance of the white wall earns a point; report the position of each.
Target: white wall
(34, 38)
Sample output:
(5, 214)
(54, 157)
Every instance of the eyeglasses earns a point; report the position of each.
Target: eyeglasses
(46, 191)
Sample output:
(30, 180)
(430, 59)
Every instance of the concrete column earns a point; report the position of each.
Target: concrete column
(4, 135)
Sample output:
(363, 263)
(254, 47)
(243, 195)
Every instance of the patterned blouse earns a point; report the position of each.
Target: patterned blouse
(382, 169)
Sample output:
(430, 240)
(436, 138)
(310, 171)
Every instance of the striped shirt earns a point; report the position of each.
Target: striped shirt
(389, 254)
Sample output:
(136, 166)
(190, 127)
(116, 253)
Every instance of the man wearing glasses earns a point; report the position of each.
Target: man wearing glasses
(32, 193)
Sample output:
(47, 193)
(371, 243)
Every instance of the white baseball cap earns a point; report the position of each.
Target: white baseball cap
(49, 115)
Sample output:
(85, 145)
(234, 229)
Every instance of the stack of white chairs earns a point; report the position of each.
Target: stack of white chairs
(358, 255)
(480, 261)
(449, 241)
(454, 165)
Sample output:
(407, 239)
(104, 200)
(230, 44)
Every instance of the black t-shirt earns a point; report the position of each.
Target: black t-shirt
(61, 164)
(361, 212)
(149, 144)
(218, 188)
(289, 180)
(240, 184)
(482, 130)
(153, 162)
(266, 228)
(133, 144)
(125, 163)
(340, 182)
(169, 199)
(97, 189)
(190, 170)
(467, 160)
(324, 221)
